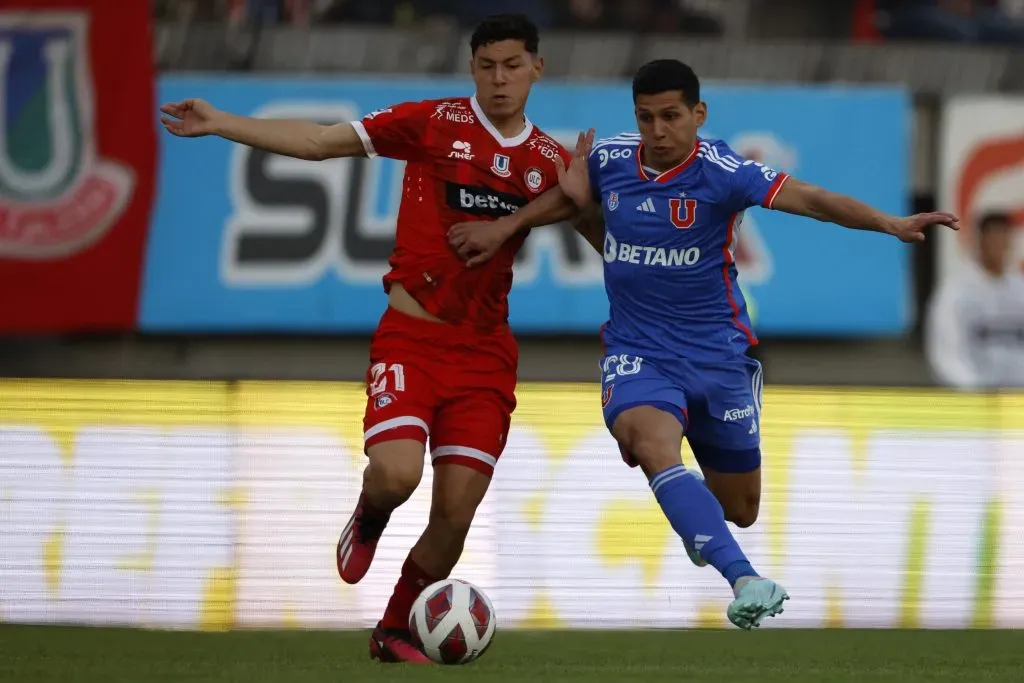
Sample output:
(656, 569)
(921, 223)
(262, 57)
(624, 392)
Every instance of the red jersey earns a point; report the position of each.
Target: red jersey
(459, 168)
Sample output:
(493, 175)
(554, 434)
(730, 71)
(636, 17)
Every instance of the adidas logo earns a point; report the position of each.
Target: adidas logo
(699, 540)
(647, 206)
(753, 427)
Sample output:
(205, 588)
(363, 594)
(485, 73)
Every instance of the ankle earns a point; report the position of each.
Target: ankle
(741, 582)
(374, 507)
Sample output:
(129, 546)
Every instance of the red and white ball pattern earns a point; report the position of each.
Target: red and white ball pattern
(452, 621)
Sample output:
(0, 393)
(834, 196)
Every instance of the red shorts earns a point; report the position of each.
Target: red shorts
(453, 385)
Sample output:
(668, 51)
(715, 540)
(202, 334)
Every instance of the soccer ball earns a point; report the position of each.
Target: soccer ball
(452, 621)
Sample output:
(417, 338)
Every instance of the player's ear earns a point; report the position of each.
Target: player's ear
(700, 112)
(538, 67)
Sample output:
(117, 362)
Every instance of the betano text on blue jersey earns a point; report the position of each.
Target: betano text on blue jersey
(669, 247)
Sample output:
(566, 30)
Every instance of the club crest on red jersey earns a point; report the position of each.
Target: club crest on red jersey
(534, 179)
(383, 400)
(501, 165)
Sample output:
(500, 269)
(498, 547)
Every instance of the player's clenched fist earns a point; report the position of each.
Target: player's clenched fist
(189, 118)
(477, 241)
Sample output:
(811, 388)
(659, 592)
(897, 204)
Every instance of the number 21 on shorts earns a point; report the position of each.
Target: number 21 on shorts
(380, 373)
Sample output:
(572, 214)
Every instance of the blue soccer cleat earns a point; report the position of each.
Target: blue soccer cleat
(756, 599)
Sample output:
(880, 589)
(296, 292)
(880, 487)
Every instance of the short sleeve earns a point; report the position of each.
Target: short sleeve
(396, 132)
(752, 183)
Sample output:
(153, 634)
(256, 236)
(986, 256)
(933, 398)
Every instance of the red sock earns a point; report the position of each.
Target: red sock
(409, 586)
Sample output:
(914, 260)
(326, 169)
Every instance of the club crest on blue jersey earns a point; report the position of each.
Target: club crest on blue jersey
(501, 164)
(683, 212)
(606, 395)
(613, 201)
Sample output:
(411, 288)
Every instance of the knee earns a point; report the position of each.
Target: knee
(744, 513)
(395, 478)
(653, 454)
(452, 516)
(651, 445)
(651, 451)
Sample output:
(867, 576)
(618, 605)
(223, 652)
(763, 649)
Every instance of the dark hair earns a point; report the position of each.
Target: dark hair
(994, 220)
(665, 75)
(498, 27)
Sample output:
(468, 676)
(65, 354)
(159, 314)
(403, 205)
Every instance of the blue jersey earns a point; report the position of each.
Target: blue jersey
(669, 243)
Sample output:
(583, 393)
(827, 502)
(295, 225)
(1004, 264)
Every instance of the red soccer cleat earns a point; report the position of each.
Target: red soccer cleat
(391, 646)
(358, 543)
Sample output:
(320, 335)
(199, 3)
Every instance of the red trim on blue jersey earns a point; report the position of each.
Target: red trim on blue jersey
(727, 252)
(773, 191)
(670, 173)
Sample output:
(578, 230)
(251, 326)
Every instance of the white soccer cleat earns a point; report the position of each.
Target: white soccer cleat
(756, 599)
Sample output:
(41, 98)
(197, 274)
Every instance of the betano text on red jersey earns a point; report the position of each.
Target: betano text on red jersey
(459, 168)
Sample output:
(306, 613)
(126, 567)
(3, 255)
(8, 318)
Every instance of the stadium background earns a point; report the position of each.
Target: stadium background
(179, 426)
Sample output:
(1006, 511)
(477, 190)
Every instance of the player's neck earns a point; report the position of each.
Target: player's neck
(995, 271)
(508, 126)
(653, 165)
(650, 163)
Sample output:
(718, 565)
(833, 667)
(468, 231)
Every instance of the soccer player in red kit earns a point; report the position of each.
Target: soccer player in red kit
(442, 359)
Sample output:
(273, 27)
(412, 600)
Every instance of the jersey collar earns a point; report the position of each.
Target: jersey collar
(670, 173)
(495, 133)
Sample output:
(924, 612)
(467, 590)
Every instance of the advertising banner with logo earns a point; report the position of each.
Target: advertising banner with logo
(246, 241)
(214, 506)
(77, 162)
(982, 157)
(975, 321)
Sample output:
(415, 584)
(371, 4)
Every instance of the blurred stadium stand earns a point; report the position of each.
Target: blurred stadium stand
(778, 41)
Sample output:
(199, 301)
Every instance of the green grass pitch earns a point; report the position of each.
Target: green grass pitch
(80, 655)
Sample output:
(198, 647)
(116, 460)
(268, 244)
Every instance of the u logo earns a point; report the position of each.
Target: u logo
(39, 135)
(682, 212)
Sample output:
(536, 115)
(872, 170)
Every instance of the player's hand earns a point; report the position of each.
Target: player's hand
(575, 180)
(911, 228)
(189, 118)
(477, 241)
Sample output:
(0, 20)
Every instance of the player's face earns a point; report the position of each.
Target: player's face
(668, 127)
(504, 72)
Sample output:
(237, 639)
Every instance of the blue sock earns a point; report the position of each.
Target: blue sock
(696, 515)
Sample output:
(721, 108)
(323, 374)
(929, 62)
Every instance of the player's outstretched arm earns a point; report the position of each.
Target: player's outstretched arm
(299, 139)
(804, 199)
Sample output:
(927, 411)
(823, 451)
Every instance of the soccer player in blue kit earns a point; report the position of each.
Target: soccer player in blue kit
(676, 343)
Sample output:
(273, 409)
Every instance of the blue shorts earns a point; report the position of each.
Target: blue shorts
(718, 404)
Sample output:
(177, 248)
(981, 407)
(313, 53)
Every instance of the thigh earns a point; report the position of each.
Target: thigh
(471, 424)
(629, 381)
(401, 396)
(724, 430)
